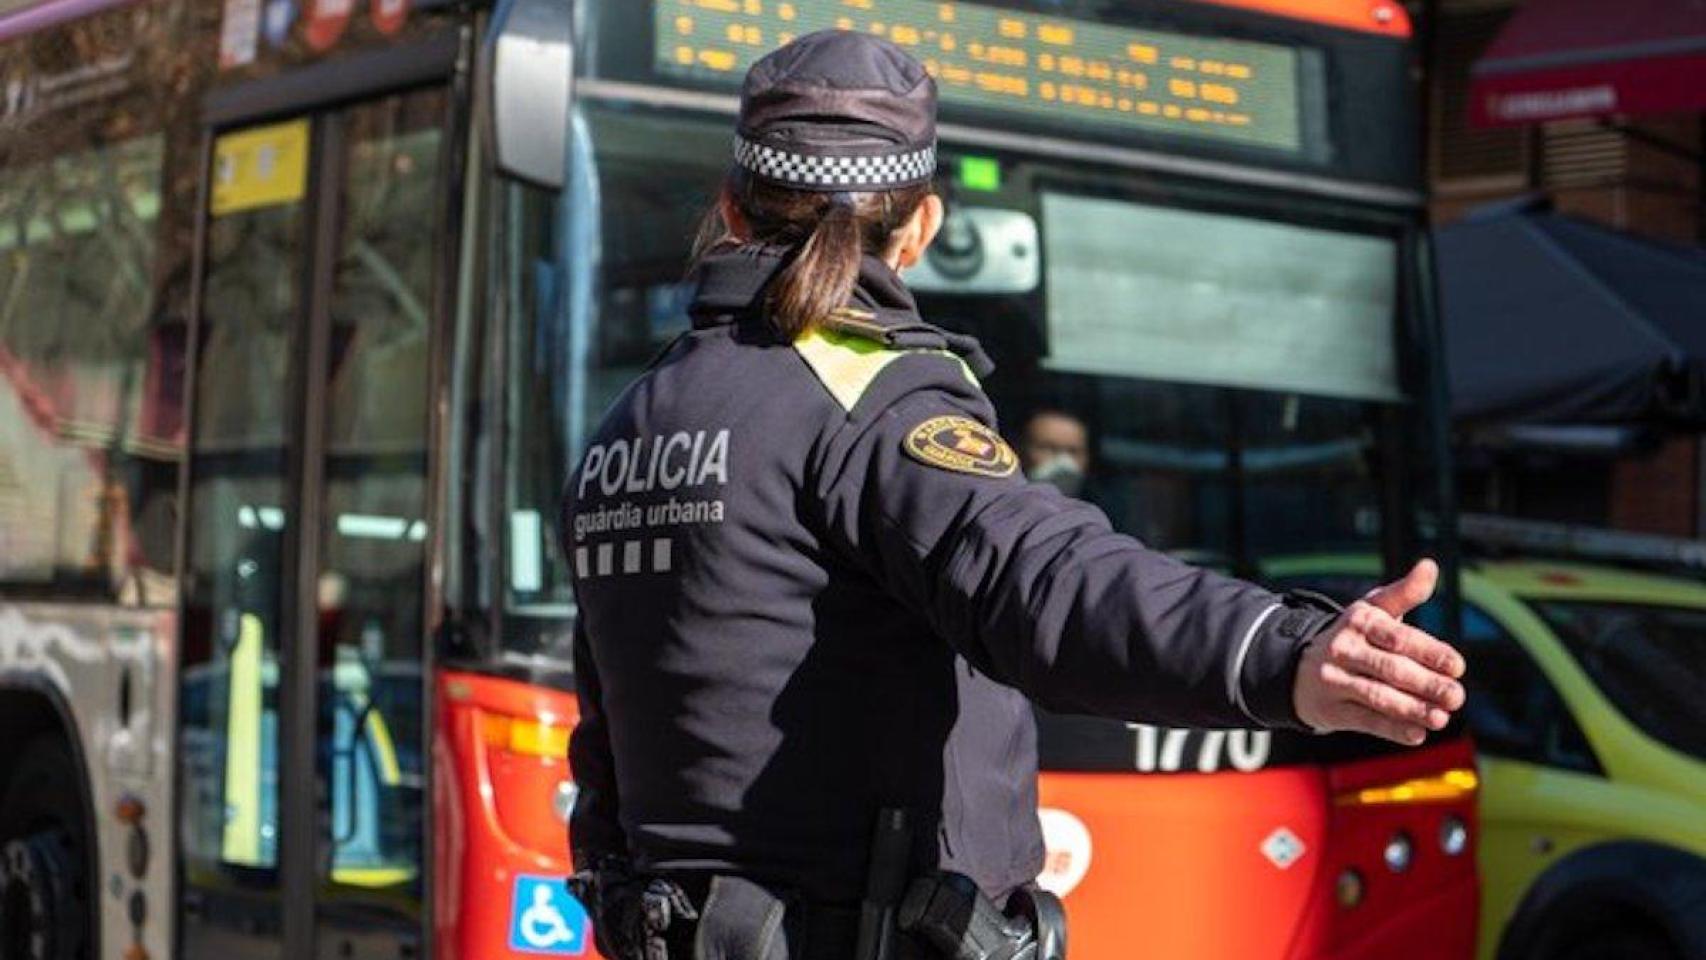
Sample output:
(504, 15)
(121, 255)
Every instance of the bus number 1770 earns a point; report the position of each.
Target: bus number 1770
(1166, 749)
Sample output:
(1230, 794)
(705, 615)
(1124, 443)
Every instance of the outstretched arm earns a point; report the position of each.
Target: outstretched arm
(1038, 592)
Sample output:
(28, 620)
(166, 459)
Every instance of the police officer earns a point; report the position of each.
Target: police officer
(815, 592)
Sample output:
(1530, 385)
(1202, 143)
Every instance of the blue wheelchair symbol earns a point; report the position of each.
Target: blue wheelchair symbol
(546, 918)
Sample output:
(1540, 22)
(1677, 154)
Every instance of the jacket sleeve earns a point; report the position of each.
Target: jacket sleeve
(1036, 590)
(594, 830)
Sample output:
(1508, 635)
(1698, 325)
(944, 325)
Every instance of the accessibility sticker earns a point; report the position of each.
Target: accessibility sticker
(546, 918)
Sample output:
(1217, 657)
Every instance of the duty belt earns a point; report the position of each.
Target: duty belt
(941, 917)
(703, 917)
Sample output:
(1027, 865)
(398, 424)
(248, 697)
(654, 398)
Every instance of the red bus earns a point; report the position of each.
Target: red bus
(307, 305)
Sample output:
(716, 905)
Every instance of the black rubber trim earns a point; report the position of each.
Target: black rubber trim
(357, 77)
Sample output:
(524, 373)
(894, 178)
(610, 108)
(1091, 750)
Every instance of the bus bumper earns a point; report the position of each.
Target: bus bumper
(1439, 926)
(502, 852)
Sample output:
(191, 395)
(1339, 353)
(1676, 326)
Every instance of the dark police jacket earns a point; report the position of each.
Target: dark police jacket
(813, 584)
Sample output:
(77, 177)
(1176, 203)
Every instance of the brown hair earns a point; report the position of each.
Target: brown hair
(826, 234)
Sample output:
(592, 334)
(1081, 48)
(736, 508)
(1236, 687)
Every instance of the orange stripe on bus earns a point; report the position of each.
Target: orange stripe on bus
(1385, 17)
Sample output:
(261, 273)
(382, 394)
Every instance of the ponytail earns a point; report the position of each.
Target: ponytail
(821, 277)
(826, 235)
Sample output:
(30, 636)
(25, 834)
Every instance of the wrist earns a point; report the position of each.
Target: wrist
(1272, 667)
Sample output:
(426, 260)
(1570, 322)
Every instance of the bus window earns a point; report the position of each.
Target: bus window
(606, 291)
(1199, 351)
(235, 576)
(373, 542)
(89, 386)
(345, 618)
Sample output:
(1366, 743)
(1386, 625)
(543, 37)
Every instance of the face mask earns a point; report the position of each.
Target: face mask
(1062, 471)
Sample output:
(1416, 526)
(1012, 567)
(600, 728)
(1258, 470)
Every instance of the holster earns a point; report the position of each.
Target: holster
(1048, 919)
(949, 913)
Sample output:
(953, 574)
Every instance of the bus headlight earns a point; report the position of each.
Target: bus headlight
(1453, 835)
(1398, 853)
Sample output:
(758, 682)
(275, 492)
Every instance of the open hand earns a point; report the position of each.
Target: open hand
(1371, 673)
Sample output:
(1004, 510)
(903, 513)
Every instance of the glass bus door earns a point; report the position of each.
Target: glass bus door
(302, 820)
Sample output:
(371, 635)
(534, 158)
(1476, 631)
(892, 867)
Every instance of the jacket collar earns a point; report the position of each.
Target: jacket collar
(730, 283)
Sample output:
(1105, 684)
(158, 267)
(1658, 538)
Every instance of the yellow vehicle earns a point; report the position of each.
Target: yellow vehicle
(1588, 705)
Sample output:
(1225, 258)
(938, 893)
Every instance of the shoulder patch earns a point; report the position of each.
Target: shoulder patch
(963, 445)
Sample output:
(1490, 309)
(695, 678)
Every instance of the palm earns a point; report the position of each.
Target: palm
(1371, 673)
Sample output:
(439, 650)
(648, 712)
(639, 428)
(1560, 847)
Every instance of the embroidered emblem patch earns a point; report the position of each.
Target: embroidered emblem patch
(961, 444)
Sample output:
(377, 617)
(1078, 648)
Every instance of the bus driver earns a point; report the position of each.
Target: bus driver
(832, 633)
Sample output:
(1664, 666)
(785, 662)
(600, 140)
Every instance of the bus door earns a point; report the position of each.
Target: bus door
(303, 780)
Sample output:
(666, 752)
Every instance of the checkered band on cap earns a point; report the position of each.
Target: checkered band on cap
(839, 173)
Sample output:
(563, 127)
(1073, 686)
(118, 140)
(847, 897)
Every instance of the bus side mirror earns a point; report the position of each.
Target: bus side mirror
(528, 82)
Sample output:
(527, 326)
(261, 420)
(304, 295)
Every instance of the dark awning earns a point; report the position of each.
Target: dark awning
(1550, 319)
(1557, 59)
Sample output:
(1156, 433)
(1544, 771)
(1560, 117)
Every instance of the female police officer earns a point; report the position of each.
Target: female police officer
(813, 586)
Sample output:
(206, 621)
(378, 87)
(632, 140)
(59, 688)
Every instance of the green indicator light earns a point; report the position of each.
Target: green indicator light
(980, 173)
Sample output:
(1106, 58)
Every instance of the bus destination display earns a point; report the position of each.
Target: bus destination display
(1228, 91)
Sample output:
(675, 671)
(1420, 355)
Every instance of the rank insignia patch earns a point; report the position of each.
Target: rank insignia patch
(963, 445)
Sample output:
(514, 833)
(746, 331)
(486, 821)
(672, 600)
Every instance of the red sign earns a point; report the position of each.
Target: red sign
(327, 20)
(1656, 85)
(389, 15)
(1560, 59)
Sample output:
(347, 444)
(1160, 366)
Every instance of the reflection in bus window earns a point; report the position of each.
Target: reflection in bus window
(239, 466)
(605, 268)
(89, 384)
(374, 539)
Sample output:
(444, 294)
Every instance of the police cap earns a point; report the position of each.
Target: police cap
(838, 111)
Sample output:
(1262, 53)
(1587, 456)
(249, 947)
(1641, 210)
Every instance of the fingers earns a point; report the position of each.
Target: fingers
(1383, 698)
(1361, 719)
(1406, 641)
(1374, 674)
(1359, 656)
(1401, 596)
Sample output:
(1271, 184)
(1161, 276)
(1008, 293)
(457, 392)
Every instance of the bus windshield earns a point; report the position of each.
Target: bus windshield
(1227, 366)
